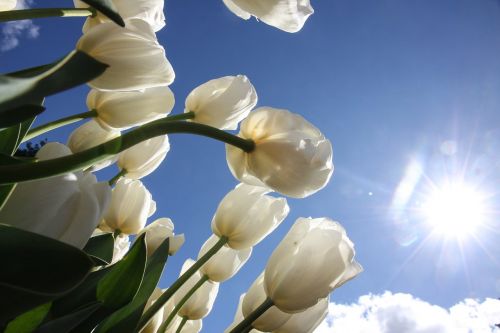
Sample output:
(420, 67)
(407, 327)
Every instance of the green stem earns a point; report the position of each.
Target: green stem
(181, 325)
(163, 299)
(116, 177)
(42, 169)
(179, 305)
(245, 323)
(247, 329)
(182, 116)
(58, 123)
(23, 14)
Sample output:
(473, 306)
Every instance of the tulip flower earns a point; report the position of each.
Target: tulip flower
(286, 15)
(157, 232)
(246, 215)
(309, 263)
(136, 60)
(200, 303)
(7, 5)
(225, 263)
(222, 102)
(273, 318)
(238, 317)
(154, 324)
(67, 207)
(291, 156)
(124, 109)
(307, 320)
(151, 11)
(131, 205)
(143, 158)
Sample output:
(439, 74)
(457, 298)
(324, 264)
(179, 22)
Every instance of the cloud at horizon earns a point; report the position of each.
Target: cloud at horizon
(12, 32)
(404, 313)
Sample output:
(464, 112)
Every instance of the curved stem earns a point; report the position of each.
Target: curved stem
(23, 14)
(58, 123)
(42, 169)
(163, 299)
(117, 177)
(245, 323)
(181, 325)
(181, 303)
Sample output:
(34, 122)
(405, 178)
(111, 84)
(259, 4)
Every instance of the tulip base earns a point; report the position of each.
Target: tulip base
(247, 322)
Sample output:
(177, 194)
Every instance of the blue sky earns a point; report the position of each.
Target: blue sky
(394, 84)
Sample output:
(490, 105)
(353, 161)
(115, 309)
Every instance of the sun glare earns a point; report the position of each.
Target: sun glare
(454, 210)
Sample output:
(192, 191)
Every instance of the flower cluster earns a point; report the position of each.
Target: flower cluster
(276, 152)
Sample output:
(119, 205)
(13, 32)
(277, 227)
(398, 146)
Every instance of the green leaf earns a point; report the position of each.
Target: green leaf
(101, 247)
(29, 321)
(21, 88)
(120, 285)
(67, 323)
(19, 114)
(108, 9)
(5, 192)
(125, 320)
(35, 270)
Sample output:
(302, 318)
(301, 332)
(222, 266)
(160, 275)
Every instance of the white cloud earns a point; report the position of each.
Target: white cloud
(403, 313)
(14, 30)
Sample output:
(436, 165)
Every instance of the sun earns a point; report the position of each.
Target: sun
(454, 209)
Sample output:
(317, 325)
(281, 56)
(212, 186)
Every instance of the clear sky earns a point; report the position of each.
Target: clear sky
(407, 91)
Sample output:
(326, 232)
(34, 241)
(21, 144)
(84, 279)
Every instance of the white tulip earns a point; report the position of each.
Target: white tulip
(67, 207)
(225, 263)
(191, 326)
(312, 260)
(270, 320)
(143, 158)
(125, 109)
(7, 5)
(155, 322)
(246, 215)
(131, 205)
(291, 156)
(307, 320)
(150, 11)
(238, 317)
(287, 15)
(200, 303)
(222, 102)
(136, 60)
(158, 231)
(90, 135)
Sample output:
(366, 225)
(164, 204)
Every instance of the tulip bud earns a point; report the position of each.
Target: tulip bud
(291, 156)
(246, 215)
(7, 5)
(225, 263)
(90, 135)
(151, 11)
(201, 302)
(222, 102)
(67, 207)
(155, 322)
(286, 15)
(309, 263)
(143, 158)
(125, 109)
(307, 320)
(238, 317)
(157, 232)
(131, 205)
(136, 60)
(273, 318)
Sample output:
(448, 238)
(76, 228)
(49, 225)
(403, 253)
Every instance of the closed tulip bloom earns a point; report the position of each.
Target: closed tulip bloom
(309, 263)
(143, 158)
(222, 102)
(155, 322)
(158, 231)
(307, 320)
(201, 302)
(225, 263)
(131, 205)
(136, 60)
(67, 208)
(7, 5)
(273, 318)
(118, 110)
(191, 326)
(291, 156)
(246, 215)
(151, 11)
(286, 15)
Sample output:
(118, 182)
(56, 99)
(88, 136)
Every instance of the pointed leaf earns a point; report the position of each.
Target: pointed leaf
(101, 247)
(67, 323)
(29, 321)
(19, 114)
(108, 9)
